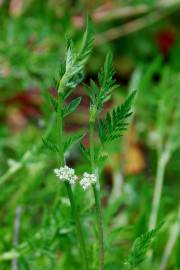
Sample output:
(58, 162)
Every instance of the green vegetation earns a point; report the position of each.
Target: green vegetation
(89, 135)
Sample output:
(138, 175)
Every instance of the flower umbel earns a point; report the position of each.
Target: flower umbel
(66, 174)
(87, 180)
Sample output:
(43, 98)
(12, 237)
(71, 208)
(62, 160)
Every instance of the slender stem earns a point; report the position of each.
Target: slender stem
(60, 129)
(100, 226)
(162, 162)
(164, 157)
(68, 187)
(174, 233)
(78, 226)
(96, 190)
(16, 235)
(92, 146)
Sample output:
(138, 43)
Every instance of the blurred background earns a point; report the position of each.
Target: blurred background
(143, 36)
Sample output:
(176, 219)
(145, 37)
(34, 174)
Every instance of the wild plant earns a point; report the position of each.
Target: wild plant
(109, 129)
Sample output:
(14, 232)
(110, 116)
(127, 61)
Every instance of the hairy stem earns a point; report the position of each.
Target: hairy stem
(68, 187)
(96, 190)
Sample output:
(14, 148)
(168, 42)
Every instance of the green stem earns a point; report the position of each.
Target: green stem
(68, 187)
(173, 236)
(163, 159)
(78, 225)
(96, 190)
(60, 129)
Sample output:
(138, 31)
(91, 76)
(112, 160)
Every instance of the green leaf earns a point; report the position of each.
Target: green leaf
(85, 151)
(106, 81)
(71, 107)
(53, 101)
(75, 61)
(114, 124)
(140, 247)
(101, 93)
(69, 54)
(51, 146)
(101, 160)
(87, 43)
(72, 140)
(91, 91)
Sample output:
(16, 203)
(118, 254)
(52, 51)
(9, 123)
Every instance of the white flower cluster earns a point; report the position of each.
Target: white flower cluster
(87, 180)
(66, 174)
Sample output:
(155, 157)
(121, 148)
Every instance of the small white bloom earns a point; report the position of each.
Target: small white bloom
(87, 180)
(66, 174)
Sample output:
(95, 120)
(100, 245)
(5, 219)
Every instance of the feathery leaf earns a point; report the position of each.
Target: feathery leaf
(72, 140)
(113, 125)
(85, 151)
(100, 93)
(140, 247)
(74, 71)
(51, 146)
(71, 107)
(53, 101)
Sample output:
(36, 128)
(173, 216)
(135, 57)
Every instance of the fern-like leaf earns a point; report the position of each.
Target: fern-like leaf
(71, 107)
(114, 124)
(106, 81)
(51, 146)
(74, 66)
(87, 43)
(140, 247)
(100, 93)
(53, 101)
(72, 140)
(85, 152)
